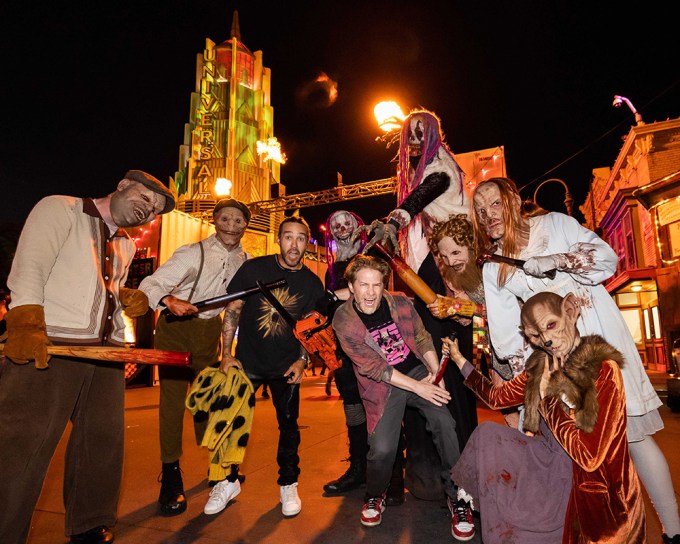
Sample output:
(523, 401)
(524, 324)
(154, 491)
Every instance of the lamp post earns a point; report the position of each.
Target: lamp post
(568, 200)
(618, 100)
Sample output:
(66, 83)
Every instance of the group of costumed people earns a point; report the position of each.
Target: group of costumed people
(568, 465)
(586, 434)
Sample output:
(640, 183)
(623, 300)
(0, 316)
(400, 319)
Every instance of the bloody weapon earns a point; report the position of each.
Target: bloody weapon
(312, 330)
(443, 362)
(489, 255)
(223, 299)
(126, 355)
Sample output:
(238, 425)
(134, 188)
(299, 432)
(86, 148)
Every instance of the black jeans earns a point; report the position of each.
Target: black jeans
(286, 399)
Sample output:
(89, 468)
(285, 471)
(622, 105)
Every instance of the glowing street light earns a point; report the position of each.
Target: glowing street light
(223, 187)
(389, 116)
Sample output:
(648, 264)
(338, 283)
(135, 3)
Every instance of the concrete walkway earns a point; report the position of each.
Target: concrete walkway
(255, 515)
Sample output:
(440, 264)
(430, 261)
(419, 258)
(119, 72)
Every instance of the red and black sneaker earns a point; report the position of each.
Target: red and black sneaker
(462, 522)
(371, 514)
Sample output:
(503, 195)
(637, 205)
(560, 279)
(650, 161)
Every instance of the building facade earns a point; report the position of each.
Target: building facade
(635, 206)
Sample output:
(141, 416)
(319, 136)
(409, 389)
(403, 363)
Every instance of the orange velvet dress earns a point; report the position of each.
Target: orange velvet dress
(605, 505)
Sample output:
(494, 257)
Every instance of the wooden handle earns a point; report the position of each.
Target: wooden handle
(421, 289)
(125, 355)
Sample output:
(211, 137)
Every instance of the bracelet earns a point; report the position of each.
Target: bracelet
(305, 358)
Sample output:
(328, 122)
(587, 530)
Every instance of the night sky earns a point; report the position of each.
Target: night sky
(92, 89)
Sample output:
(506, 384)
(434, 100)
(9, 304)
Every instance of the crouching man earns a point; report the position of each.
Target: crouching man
(395, 363)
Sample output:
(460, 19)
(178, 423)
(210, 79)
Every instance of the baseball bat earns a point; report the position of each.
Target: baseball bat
(463, 307)
(409, 277)
(125, 355)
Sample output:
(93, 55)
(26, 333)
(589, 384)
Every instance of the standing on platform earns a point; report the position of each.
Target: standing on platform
(269, 352)
(194, 272)
(581, 261)
(395, 363)
(66, 283)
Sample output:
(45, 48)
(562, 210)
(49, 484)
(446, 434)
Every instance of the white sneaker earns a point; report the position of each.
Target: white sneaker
(290, 501)
(220, 495)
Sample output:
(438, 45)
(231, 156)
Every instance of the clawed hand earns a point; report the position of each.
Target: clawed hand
(382, 232)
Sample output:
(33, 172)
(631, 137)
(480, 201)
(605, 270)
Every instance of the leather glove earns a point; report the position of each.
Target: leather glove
(27, 335)
(448, 306)
(540, 267)
(135, 302)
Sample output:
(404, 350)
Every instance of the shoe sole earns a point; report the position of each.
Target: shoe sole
(463, 538)
(291, 514)
(171, 512)
(211, 513)
(371, 523)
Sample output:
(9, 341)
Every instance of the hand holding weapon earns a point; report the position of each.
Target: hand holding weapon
(489, 255)
(222, 300)
(312, 331)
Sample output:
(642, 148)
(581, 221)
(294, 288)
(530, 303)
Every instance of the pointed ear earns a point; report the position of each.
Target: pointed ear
(571, 308)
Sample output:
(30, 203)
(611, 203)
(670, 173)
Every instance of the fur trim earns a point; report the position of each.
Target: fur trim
(574, 383)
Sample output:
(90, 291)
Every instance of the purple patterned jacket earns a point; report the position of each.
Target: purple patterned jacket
(370, 365)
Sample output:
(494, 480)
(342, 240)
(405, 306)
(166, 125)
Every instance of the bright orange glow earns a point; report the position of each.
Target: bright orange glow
(389, 115)
(222, 187)
(271, 149)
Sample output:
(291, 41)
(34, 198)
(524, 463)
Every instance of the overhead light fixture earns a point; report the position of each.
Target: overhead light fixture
(636, 288)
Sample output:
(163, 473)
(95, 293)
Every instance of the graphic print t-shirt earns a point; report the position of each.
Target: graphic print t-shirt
(266, 345)
(384, 331)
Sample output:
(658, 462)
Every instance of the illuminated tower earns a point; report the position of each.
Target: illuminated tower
(230, 112)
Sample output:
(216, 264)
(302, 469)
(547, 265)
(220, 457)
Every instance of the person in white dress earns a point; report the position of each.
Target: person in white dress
(581, 261)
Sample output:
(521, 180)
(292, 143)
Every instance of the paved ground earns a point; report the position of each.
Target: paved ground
(255, 515)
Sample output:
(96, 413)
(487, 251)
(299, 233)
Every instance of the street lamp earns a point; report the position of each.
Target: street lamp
(568, 200)
(618, 100)
(389, 116)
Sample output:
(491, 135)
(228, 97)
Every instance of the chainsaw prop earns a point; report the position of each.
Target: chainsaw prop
(313, 330)
(447, 306)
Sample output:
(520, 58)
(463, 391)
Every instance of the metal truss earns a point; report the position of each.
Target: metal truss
(327, 196)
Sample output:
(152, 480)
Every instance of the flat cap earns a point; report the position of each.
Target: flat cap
(156, 186)
(232, 203)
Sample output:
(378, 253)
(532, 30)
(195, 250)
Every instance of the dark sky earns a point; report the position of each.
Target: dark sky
(92, 89)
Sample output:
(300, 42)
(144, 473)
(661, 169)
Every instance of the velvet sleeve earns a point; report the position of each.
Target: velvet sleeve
(505, 395)
(588, 450)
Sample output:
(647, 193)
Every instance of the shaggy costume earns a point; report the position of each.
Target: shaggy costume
(605, 504)
(227, 402)
(430, 190)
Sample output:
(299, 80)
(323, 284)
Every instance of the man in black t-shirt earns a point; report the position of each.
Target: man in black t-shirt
(268, 351)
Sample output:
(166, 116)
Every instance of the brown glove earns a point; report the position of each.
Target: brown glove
(27, 335)
(135, 302)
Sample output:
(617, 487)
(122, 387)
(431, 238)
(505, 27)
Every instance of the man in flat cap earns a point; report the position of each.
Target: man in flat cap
(67, 287)
(195, 272)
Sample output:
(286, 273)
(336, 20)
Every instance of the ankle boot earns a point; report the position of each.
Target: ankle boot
(171, 500)
(354, 477)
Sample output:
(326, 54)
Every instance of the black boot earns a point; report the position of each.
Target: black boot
(171, 500)
(353, 478)
(395, 491)
(356, 473)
